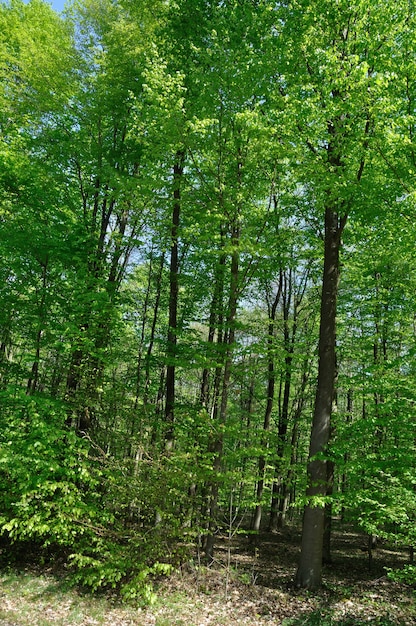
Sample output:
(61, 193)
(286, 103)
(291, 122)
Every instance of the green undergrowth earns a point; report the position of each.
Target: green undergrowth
(60, 494)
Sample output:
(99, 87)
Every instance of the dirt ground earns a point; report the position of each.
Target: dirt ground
(246, 586)
(255, 586)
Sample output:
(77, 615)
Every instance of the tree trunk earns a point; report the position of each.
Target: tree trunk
(218, 443)
(290, 299)
(271, 383)
(215, 322)
(173, 302)
(153, 330)
(326, 555)
(33, 381)
(309, 573)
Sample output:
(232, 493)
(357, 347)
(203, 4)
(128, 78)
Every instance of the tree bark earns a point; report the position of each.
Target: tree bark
(216, 316)
(271, 383)
(309, 573)
(218, 443)
(173, 302)
(326, 555)
(33, 381)
(292, 300)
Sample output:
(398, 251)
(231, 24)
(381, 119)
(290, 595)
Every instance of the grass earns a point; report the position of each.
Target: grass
(31, 599)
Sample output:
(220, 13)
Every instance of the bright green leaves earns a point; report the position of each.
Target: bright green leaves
(36, 60)
(45, 473)
(336, 64)
(374, 443)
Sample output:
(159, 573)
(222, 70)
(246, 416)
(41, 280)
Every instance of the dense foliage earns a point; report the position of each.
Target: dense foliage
(167, 170)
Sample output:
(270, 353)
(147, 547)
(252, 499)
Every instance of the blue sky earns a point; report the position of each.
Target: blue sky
(58, 5)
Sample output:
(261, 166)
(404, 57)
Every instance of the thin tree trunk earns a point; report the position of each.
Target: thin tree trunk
(144, 312)
(153, 330)
(350, 408)
(5, 353)
(73, 382)
(279, 491)
(217, 447)
(142, 391)
(326, 551)
(289, 345)
(173, 302)
(215, 315)
(282, 497)
(33, 380)
(271, 384)
(247, 410)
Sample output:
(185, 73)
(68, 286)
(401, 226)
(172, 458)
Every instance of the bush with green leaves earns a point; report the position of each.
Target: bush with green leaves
(48, 487)
(56, 491)
(405, 575)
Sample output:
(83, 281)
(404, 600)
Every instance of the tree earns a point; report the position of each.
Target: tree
(334, 82)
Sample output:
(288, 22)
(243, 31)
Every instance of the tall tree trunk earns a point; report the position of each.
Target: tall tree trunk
(279, 490)
(309, 573)
(289, 345)
(173, 302)
(5, 352)
(350, 408)
(281, 496)
(271, 384)
(153, 329)
(215, 322)
(217, 447)
(33, 381)
(326, 554)
(73, 381)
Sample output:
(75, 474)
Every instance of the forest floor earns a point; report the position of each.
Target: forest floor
(245, 587)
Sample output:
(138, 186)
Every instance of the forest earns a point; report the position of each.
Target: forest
(208, 303)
